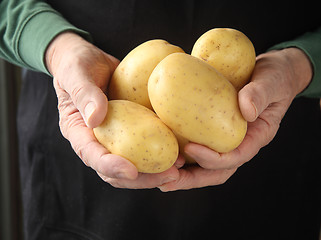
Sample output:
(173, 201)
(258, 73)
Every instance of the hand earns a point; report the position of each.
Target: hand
(277, 78)
(81, 73)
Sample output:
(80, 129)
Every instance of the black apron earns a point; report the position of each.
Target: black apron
(274, 196)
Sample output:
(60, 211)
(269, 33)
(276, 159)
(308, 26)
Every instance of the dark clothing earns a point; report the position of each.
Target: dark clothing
(275, 196)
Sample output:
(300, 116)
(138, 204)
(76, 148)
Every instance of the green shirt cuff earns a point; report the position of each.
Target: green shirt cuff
(310, 44)
(37, 34)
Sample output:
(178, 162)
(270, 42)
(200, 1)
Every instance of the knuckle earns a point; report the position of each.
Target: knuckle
(82, 152)
(79, 150)
(114, 182)
(226, 175)
(103, 177)
(68, 124)
(65, 123)
(223, 180)
(77, 93)
(62, 128)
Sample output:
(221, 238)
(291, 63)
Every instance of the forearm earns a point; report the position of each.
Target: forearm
(27, 28)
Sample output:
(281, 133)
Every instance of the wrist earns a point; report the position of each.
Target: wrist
(58, 48)
(300, 68)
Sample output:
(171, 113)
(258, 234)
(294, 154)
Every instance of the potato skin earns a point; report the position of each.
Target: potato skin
(230, 52)
(129, 81)
(197, 102)
(137, 134)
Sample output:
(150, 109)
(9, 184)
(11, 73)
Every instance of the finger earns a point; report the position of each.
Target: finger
(145, 180)
(197, 177)
(211, 160)
(180, 162)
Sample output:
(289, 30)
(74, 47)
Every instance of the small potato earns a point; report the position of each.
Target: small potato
(230, 52)
(197, 102)
(129, 81)
(137, 134)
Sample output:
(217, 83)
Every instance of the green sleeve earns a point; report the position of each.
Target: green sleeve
(310, 43)
(27, 27)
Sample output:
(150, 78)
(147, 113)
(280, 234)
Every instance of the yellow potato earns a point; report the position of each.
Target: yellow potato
(197, 102)
(137, 134)
(229, 51)
(130, 78)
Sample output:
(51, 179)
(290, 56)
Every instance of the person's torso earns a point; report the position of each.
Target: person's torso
(119, 26)
(274, 194)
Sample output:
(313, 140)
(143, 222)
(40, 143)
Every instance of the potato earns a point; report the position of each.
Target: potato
(197, 102)
(137, 134)
(229, 51)
(130, 78)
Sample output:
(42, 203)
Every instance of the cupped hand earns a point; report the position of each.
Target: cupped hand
(81, 73)
(277, 78)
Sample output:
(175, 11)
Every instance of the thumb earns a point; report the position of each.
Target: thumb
(85, 85)
(94, 99)
(254, 98)
(268, 85)
(92, 104)
(88, 98)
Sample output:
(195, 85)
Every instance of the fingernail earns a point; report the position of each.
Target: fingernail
(163, 188)
(167, 187)
(122, 175)
(126, 174)
(168, 179)
(180, 162)
(255, 110)
(89, 110)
